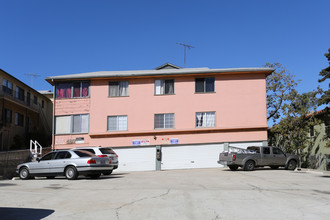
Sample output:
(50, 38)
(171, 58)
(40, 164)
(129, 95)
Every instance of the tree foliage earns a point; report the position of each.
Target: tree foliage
(291, 133)
(293, 109)
(280, 89)
(325, 74)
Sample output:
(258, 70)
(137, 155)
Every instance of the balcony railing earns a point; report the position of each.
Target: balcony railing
(21, 99)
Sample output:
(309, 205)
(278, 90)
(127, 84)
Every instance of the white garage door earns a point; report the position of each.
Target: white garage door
(136, 159)
(190, 156)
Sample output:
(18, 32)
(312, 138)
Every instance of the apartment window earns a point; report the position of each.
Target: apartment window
(43, 104)
(19, 119)
(28, 98)
(80, 89)
(80, 123)
(63, 90)
(164, 121)
(19, 93)
(204, 84)
(72, 90)
(7, 86)
(117, 123)
(164, 87)
(205, 119)
(63, 124)
(8, 115)
(35, 100)
(72, 124)
(119, 88)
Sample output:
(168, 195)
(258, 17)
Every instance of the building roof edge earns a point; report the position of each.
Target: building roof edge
(164, 72)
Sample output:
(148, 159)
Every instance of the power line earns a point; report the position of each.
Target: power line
(185, 46)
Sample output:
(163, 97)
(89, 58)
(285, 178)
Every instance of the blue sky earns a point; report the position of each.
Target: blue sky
(60, 37)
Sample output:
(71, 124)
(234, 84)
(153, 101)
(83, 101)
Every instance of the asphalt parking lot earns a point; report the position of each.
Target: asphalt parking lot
(176, 194)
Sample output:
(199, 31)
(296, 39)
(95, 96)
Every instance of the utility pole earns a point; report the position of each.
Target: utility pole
(32, 75)
(185, 46)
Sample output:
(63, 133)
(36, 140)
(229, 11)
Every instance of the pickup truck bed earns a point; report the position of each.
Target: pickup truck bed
(257, 156)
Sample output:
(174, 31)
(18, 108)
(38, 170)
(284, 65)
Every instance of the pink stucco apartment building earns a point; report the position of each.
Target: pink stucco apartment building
(165, 118)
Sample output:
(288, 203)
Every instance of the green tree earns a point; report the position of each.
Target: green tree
(291, 132)
(325, 74)
(280, 89)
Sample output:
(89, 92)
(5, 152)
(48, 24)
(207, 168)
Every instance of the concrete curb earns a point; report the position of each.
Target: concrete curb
(318, 172)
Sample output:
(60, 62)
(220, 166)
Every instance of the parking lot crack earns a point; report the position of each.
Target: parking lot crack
(255, 187)
(139, 200)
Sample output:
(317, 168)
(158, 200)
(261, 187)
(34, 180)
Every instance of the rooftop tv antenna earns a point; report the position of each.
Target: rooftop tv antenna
(32, 75)
(185, 46)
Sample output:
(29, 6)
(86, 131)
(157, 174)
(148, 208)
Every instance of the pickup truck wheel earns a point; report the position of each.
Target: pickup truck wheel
(292, 164)
(249, 165)
(233, 167)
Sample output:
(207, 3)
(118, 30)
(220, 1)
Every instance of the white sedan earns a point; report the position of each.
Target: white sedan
(68, 163)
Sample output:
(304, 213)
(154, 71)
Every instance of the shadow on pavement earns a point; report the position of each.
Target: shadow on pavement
(24, 213)
(7, 184)
(80, 177)
(256, 169)
(119, 174)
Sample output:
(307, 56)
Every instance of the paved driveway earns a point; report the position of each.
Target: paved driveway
(177, 194)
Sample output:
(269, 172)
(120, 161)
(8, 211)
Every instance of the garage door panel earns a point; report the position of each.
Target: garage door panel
(193, 156)
(136, 159)
(173, 157)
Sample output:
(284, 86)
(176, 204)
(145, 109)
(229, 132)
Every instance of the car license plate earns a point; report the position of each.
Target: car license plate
(102, 162)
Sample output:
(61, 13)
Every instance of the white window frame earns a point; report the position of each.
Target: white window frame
(168, 121)
(205, 79)
(120, 120)
(80, 89)
(83, 124)
(205, 119)
(160, 87)
(64, 124)
(121, 89)
(70, 85)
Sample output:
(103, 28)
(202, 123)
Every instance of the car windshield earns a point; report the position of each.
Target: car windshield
(107, 151)
(82, 153)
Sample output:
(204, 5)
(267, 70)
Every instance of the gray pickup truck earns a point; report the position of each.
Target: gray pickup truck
(257, 156)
